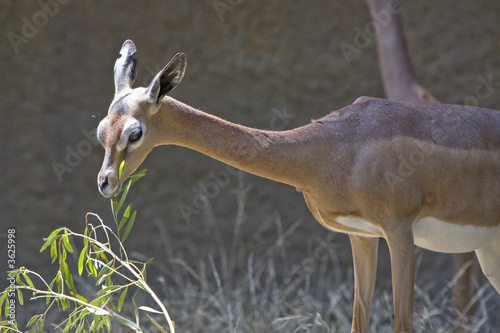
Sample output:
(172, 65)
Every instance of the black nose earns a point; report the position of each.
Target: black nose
(104, 183)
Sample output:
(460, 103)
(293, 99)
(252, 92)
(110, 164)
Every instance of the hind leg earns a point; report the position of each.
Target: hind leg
(489, 259)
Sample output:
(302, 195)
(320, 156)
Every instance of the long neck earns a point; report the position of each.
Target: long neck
(398, 76)
(272, 155)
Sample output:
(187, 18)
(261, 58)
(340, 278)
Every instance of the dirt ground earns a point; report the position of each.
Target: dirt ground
(265, 64)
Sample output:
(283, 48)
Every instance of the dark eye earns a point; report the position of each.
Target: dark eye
(135, 135)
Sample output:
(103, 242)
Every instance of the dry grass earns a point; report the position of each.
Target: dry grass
(232, 286)
(256, 297)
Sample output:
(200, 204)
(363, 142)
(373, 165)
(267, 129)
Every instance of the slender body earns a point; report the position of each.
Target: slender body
(409, 173)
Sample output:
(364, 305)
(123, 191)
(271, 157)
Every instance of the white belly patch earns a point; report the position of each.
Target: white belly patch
(365, 228)
(433, 234)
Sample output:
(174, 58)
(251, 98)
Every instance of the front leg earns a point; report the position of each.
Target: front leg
(364, 254)
(402, 252)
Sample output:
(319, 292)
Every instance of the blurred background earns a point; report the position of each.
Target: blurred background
(264, 64)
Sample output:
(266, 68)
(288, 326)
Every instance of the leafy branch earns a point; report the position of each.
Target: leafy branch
(113, 271)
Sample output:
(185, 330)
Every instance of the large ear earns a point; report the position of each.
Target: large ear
(125, 67)
(167, 79)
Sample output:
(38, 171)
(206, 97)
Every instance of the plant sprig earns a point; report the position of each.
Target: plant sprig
(118, 200)
(98, 259)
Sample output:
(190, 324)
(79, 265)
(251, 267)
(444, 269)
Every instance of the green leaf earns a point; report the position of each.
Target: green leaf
(124, 196)
(63, 255)
(51, 238)
(104, 270)
(64, 303)
(28, 280)
(96, 250)
(51, 286)
(109, 303)
(148, 309)
(103, 256)
(98, 312)
(101, 320)
(135, 177)
(3, 296)
(48, 241)
(107, 289)
(104, 273)
(53, 251)
(85, 240)
(20, 296)
(114, 204)
(19, 281)
(144, 274)
(136, 312)
(69, 278)
(59, 282)
(33, 319)
(81, 259)
(125, 216)
(129, 226)
(98, 322)
(68, 326)
(38, 327)
(80, 327)
(122, 298)
(83, 313)
(66, 243)
(158, 326)
(81, 298)
(91, 267)
(125, 321)
(120, 170)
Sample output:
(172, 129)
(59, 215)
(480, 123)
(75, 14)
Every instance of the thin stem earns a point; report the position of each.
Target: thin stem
(53, 294)
(145, 287)
(13, 329)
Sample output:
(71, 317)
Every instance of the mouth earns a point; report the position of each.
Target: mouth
(107, 194)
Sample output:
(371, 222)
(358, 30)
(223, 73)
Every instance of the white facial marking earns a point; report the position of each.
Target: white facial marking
(130, 126)
(99, 129)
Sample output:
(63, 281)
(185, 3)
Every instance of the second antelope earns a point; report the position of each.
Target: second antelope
(413, 174)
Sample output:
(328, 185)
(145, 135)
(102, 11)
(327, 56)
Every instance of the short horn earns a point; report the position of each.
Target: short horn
(125, 67)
